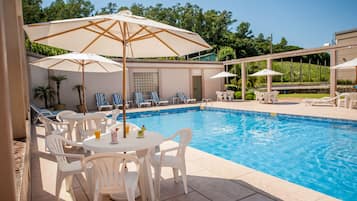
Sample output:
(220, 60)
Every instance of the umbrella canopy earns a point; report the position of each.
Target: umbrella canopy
(222, 75)
(106, 34)
(79, 62)
(122, 34)
(265, 72)
(352, 64)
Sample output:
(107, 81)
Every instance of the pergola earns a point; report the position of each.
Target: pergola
(270, 57)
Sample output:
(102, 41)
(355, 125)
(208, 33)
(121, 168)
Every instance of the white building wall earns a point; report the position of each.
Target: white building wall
(173, 78)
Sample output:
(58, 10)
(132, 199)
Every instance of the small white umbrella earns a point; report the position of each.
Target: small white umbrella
(223, 75)
(79, 62)
(351, 64)
(265, 72)
(122, 34)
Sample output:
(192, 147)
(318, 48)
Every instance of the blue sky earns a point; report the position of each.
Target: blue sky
(307, 23)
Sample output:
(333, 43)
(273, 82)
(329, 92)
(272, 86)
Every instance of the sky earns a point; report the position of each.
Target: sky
(306, 23)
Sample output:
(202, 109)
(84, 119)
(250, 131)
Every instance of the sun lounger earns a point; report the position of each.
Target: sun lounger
(102, 102)
(321, 101)
(157, 100)
(185, 99)
(118, 101)
(44, 112)
(139, 100)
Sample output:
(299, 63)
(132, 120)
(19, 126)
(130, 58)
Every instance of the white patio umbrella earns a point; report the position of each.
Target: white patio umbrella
(351, 64)
(79, 62)
(265, 72)
(122, 34)
(223, 75)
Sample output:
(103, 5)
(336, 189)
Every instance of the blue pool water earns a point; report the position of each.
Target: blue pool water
(320, 154)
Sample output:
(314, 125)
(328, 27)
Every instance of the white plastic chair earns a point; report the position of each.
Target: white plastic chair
(110, 175)
(62, 113)
(90, 124)
(65, 169)
(54, 127)
(176, 162)
(113, 120)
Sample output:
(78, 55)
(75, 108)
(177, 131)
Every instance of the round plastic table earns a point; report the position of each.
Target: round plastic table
(140, 145)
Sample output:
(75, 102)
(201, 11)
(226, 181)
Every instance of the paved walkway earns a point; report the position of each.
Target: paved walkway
(210, 177)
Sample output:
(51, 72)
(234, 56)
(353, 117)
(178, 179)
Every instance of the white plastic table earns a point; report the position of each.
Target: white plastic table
(140, 145)
(72, 119)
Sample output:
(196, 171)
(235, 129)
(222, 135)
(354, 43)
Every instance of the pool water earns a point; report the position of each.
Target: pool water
(317, 153)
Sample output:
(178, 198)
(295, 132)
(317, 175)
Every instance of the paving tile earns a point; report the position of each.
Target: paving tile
(192, 196)
(169, 189)
(215, 188)
(257, 197)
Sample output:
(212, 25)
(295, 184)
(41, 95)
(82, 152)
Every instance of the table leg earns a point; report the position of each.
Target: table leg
(146, 176)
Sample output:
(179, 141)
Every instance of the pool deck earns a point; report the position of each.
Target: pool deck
(210, 177)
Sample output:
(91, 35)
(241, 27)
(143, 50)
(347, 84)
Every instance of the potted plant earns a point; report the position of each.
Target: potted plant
(58, 79)
(44, 93)
(79, 89)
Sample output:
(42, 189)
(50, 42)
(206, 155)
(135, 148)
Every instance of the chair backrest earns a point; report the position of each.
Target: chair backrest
(185, 136)
(117, 99)
(115, 114)
(139, 97)
(101, 99)
(62, 113)
(47, 124)
(109, 170)
(182, 96)
(90, 124)
(155, 96)
(55, 146)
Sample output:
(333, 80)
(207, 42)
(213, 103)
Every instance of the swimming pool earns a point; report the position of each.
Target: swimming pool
(317, 153)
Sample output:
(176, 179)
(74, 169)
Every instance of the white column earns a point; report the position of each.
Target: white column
(333, 73)
(244, 79)
(269, 78)
(7, 167)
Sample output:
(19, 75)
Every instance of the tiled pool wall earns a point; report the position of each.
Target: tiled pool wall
(281, 116)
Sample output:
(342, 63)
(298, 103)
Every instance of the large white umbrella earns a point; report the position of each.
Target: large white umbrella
(266, 72)
(79, 62)
(122, 34)
(351, 64)
(223, 75)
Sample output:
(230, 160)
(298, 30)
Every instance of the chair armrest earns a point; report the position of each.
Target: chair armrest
(163, 152)
(60, 123)
(171, 137)
(79, 156)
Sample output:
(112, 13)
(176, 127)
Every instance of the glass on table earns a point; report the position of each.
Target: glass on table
(97, 134)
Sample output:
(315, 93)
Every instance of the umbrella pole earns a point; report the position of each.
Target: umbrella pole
(124, 80)
(83, 92)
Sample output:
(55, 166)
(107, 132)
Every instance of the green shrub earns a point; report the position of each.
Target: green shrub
(250, 95)
(344, 82)
(238, 95)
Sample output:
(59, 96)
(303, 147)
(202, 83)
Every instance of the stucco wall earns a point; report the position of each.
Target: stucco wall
(173, 77)
(346, 55)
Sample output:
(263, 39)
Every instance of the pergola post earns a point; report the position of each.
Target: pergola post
(244, 80)
(269, 78)
(333, 73)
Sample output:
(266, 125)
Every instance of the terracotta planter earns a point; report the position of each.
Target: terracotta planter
(60, 106)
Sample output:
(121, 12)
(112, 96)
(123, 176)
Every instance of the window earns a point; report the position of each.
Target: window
(146, 82)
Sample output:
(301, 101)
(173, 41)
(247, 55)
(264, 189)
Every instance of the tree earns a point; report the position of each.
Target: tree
(226, 53)
(32, 11)
(110, 8)
(58, 79)
(244, 31)
(44, 93)
(59, 9)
